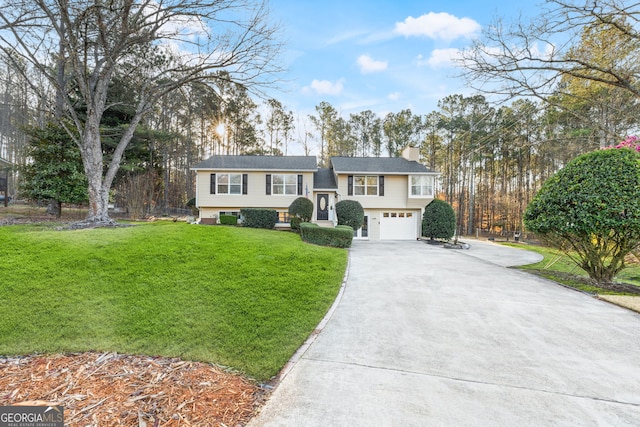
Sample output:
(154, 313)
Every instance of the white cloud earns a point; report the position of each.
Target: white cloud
(437, 26)
(394, 96)
(441, 58)
(369, 65)
(325, 87)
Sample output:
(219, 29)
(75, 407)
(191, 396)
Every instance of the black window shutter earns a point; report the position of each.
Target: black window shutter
(381, 185)
(212, 183)
(245, 179)
(268, 184)
(299, 185)
(350, 185)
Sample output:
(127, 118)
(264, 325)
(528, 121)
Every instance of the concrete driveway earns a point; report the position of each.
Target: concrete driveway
(427, 336)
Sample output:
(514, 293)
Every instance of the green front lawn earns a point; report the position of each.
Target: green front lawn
(238, 297)
(558, 267)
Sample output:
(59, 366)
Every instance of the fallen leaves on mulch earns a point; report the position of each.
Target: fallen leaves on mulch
(109, 389)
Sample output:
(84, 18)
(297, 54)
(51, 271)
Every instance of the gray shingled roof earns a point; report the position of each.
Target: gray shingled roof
(324, 179)
(390, 165)
(247, 163)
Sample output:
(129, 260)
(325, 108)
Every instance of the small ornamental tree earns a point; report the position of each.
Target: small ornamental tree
(438, 220)
(300, 210)
(351, 213)
(590, 209)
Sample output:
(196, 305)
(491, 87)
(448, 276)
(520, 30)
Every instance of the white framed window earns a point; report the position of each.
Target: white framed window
(365, 185)
(421, 186)
(229, 183)
(284, 184)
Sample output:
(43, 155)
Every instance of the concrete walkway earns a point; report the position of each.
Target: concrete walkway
(427, 336)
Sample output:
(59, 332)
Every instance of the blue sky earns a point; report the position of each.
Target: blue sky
(384, 56)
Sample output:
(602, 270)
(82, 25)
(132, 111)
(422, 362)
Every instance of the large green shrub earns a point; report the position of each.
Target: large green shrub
(300, 210)
(351, 213)
(259, 218)
(438, 220)
(339, 237)
(591, 210)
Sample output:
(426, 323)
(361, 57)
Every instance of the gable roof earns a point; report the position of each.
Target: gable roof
(324, 179)
(389, 165)
(260, 163)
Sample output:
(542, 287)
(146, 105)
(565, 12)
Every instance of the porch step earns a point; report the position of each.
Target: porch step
(328, 224)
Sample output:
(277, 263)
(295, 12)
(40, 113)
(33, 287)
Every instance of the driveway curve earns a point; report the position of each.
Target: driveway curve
(424, 335)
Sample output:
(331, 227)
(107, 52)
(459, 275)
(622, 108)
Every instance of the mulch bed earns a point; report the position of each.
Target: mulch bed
(110, 389)
(626, 288)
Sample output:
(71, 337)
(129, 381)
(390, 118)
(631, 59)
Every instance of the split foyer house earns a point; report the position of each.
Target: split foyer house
(392, 190)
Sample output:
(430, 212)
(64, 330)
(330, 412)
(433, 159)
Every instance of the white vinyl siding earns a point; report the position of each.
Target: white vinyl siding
(255, 196)
(396, 194)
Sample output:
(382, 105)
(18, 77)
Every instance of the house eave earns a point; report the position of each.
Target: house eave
(344, 172)
(252, 170)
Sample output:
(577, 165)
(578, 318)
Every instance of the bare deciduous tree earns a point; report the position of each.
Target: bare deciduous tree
(532, 59)
(158, 45)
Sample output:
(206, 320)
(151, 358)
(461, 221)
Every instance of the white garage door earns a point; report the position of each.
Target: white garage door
(398, 225)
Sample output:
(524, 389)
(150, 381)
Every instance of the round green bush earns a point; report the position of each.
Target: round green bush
(300, 210)
(591, 209)
(351, 213)
(438, 220)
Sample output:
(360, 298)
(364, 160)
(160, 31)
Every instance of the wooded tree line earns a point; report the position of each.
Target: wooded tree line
(493, 158)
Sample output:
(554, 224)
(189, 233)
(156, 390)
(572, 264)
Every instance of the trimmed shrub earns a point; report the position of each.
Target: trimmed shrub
(300, 210)
(259, 218)
(295, 223)
(351, 213)
(438, 220)
(339, 237)
(228, 219)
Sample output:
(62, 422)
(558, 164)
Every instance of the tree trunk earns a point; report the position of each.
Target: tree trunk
(99, 184)
(54, 208)
(98, 193)
(93, 166)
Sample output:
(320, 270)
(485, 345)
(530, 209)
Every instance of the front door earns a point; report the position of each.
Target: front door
(322, 207)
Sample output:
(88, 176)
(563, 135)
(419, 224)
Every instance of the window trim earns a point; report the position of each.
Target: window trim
(296, 183)
(215, 183)
(421, 185)
(379, 186)
(241, 189)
